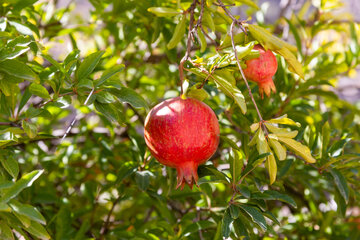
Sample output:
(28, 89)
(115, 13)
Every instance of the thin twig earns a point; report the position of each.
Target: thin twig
(239, 23)
(75, 118)
(105, 228)
(243, 76)
(188, 45)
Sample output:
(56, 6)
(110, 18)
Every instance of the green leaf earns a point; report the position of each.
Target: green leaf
(178, 33)
(202, 40)
(29, 128)
(130, 96)
(164, 11)
(238, 39)
(208, 20)
(63, 223)
(18, 69)
(207, 170)
(325, 139)
(24, 99)
(255, 215)
(27, 210)
(273, 195)
(225, 224)
(21, 28)
(249, 3)
(107, 110)
(88, 65)
(5, 231)
(109, 73)
(197, 226)
(142, 179)
(240, 229)
(234, 211)
(199, 94)
(340, 183)
(230, 142)
(25, 181)
(85, 83)
(39, 90)
(10, 164)
(231, 91)
(37, 230)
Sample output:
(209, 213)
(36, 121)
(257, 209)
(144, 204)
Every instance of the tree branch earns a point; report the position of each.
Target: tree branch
(245, 80)
(188, 44)
(75, 118)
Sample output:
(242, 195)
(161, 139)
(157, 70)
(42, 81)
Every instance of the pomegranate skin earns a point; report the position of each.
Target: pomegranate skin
(261, 70)
(182, 133)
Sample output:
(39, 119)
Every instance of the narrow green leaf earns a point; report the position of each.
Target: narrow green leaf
(130, 96)
(21, 28)
(5, 231)
(255, 215)
(249, 3)
(226, 223)
(202, 40)
(143, 179)
(27, 210)
(273, 195)
(10, 164)
(107, 110)
(234, 211)
(208, 20)
(325, 139)
(178, 33)
(340, 183)
(39, 90)
(29, 128)
(18, 69)
(199, 94)
(24, 99)
(88, 65)
(231, 91)
(37, 230)
(164, 11)
(25, 181)
(197, 226)
(109, 73)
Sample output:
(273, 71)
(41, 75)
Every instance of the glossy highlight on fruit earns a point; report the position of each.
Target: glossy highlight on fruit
(182, 133)
(261, 70)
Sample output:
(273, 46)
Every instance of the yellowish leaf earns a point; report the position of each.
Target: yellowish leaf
(279, 149)
(298, 148)
(270, 164)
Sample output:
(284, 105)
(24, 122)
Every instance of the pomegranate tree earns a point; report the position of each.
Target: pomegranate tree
(261, 70)
(182, 133)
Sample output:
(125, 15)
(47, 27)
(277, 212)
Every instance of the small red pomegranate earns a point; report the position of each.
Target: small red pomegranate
(182, 133)
(261, 70)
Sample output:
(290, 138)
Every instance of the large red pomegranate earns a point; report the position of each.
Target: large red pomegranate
(261, 70)
(182, 133)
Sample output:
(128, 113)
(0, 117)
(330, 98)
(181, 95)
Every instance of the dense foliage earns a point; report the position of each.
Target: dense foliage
(290, 169)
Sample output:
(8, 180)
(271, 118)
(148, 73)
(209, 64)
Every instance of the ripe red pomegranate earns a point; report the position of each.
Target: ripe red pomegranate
(182, 133)
(261, 70)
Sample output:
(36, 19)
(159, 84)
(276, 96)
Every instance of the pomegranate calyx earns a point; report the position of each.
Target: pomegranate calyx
(187, 174)
(266, 86)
